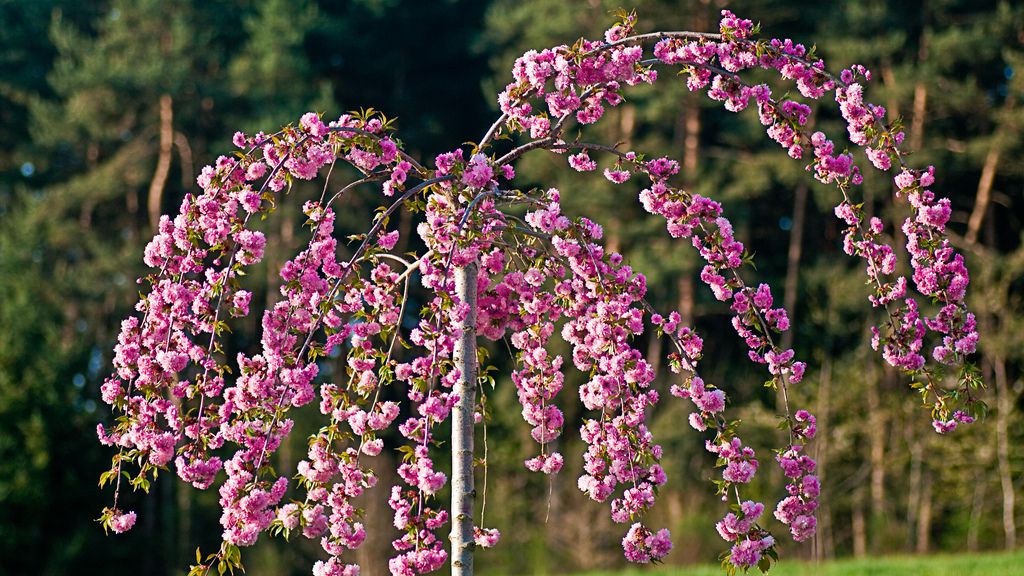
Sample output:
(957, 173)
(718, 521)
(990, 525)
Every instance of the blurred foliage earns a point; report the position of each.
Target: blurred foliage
(85, 91)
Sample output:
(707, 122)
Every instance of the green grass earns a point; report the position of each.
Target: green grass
(933, 565)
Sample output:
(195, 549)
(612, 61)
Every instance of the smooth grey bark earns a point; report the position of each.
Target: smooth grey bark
(463, 493)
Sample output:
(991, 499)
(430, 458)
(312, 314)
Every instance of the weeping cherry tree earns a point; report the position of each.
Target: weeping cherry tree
(501, 262)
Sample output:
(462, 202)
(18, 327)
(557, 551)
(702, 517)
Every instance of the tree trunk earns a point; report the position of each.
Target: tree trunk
(892, 105)
(279, 246)
(627, 122)
(822, 541)
(163, 163)
(654, 352)
(183, 502)
(914, 489)
(924, 515)
(185, 155)
(691, 144)
(149, 530)
(977, 508)
(984, 196)
(917, 122)
(796, 239)
(1004, 405)
(920, 93)
(876, 433)
(988, 175)
(860, 548)
(462, 428)
(686, 304)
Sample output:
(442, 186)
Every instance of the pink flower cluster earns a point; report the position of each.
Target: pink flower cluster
(600, 298)
(430, 375)
(172, 386)
(939, 272)
(749, 541)
(700, 219)
(538, 376)
(579, 90)
(572, 86)
(200, 256)
(643, 546)
(797, 510)
(333, 476)
(122, 522)
(755, 319)
(718, 62)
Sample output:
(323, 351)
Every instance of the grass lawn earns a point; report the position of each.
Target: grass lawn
(934, 565)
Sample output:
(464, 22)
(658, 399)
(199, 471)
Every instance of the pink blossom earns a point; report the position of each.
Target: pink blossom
(122, 522)
(581, 162)
(388, 241)
(478, 172)
(486, 537)
(616, 176)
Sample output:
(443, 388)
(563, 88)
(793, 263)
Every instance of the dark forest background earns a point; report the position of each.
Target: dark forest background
(108, 109)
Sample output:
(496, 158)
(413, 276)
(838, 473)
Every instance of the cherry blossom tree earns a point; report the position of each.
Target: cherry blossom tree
(501, 262)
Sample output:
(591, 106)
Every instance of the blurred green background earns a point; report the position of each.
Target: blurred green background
(108, 109)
